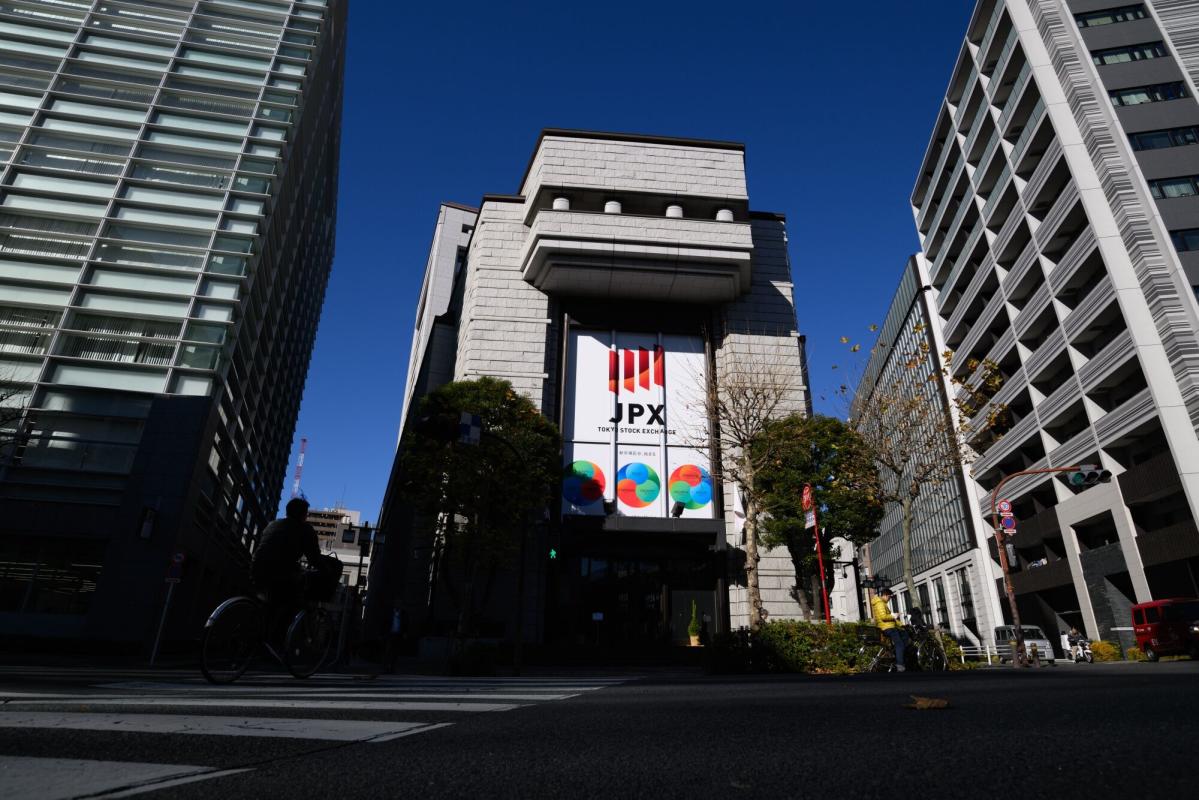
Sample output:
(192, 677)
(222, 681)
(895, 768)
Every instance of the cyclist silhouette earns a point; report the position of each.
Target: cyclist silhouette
(276, 566)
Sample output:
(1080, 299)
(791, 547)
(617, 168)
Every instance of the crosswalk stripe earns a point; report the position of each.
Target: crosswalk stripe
(263, 727)
(472, 689)
(63, 778)
(173, 702)
(240, 702)
(6, 697)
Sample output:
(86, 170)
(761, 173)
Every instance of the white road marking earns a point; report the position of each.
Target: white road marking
(333, 730)
(167, 784)
(425, 729)
(246, 702)
(27, 778)
(313, 691)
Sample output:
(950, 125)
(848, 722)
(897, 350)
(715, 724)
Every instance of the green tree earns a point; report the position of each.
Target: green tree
(830, 456)
(482, 496)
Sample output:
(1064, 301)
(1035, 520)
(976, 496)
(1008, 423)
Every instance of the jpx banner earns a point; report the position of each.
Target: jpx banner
(636, 432)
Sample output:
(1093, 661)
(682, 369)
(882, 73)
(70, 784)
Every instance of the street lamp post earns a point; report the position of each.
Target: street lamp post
(1090, 474)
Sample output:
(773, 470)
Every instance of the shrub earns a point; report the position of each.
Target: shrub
(1105, 651)
(791, 646)
(953, 652)
(806, 647)
(1134, 654)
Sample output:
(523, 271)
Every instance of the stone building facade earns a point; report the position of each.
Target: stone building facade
(614, 244)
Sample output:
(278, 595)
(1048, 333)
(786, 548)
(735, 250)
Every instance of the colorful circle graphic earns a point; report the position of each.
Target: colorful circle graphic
(583, 483)
(637, 485)
(691, 485)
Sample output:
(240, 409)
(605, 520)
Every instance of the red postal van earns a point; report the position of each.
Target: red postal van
(1167, 627)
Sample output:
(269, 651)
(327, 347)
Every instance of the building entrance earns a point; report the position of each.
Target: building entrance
(634, 603)
(626, 603)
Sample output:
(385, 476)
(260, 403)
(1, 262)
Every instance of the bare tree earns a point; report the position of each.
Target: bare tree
(920, 421)
(749, 393)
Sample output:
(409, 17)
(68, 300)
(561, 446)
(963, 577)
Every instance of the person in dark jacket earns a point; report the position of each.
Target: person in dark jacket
(276, 566)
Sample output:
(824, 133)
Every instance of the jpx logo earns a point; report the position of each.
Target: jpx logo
(642, 367)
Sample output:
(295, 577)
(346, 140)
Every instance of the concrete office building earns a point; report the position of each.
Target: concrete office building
(167, 216)
(625, 270)
(950, 565)
(332, 526)
(1058, 210)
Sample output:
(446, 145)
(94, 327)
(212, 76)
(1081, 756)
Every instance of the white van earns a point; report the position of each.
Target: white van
(1006, 634)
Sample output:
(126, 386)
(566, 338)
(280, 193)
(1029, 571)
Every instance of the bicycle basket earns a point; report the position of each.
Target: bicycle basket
(323, 578)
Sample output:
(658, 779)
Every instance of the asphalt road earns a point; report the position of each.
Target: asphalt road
(1069, 731)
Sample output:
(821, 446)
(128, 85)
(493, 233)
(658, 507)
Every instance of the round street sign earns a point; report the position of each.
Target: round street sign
(1005, 506)
(1008, 523)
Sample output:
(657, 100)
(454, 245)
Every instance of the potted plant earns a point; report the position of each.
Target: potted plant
(693, 626)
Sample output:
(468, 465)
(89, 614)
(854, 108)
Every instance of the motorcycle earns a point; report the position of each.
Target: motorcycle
(1081, 652)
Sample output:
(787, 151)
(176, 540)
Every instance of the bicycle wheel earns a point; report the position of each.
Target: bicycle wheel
(231, 636)
(931, 657)
(308, 642)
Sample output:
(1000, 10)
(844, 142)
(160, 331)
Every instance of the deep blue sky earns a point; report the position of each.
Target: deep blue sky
(443, 101)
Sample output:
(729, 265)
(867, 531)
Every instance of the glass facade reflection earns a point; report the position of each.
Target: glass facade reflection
(168, 174)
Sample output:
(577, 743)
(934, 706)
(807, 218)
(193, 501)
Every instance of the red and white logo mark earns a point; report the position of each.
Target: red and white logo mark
(640, 367)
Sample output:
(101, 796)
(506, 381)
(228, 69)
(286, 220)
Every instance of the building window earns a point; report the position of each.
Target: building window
(1131, 52)
(1165, 188)
(49, 575)
(1170, 137)
(1109, 16)
(967, 596)
(1137, 95)
(1185, 240)
(942, 607)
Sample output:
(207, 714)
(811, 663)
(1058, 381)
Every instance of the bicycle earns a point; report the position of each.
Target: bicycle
(925, 645)
(930, 651)
(241, 626)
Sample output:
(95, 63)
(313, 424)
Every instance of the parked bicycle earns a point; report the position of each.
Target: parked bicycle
(926, 651)
(240, 628)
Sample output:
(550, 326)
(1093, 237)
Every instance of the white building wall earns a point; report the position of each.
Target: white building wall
(759, 334)
(453, 230)
(502, 332)
(636, 166)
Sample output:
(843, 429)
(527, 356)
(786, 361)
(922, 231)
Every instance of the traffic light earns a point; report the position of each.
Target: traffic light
(1089, 475)
(1013, 562)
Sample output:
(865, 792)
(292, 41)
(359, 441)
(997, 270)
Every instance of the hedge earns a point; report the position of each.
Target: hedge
(807, 647)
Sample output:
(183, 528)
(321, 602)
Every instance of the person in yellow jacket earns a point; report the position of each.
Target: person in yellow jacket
(880, 605)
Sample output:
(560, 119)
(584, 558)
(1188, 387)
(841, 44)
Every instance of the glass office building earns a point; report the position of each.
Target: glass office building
(168, 185)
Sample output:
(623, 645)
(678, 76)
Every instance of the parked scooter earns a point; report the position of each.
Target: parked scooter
(1082, 652)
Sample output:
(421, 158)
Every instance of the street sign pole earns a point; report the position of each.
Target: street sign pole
(174, 575)
(809, 505)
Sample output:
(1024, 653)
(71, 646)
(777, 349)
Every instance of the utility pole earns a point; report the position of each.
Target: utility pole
(1083, 475)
